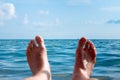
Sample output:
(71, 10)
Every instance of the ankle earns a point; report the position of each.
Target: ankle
(80, 75)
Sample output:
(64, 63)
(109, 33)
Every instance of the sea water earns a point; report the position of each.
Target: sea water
(61, 54)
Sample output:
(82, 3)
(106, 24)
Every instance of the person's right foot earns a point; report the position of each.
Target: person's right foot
(85, 60)
(37, 60)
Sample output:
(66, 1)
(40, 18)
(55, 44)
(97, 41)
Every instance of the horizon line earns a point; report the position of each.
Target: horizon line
(52, 38)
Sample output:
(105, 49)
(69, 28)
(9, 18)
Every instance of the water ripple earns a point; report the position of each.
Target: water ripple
(61, 54)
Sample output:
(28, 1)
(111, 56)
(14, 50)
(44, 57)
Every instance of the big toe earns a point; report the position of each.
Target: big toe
(81, 43)
(79, 53)
(80, 48)
(40, 42)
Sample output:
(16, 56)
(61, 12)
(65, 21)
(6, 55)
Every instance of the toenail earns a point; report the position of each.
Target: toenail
(88, 46)
(94, 48)
(83, 39)
(83, 46)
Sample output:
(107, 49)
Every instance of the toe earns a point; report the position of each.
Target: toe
(31, 45)
(39, 39)
(30, 48)
(40, 42)
(86, 51)
(79, 53)
(81, 43)
(87, 46)
(28, 52)
(92, 51)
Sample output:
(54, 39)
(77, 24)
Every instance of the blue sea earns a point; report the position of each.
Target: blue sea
(61, 54)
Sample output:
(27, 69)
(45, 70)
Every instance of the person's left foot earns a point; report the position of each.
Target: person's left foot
(37, 60)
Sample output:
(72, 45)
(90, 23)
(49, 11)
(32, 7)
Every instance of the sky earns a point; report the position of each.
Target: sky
(60, 19)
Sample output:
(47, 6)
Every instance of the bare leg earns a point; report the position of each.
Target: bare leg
(37, 60)
(85, 60)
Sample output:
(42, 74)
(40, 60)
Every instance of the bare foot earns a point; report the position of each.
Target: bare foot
(37, 60)
(85, 60)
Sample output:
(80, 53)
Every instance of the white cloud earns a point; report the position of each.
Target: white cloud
(41, 24)
(7, 11)
(43, 12)
(113, 8)
(55, 22)
(25, 20)
(78, 2)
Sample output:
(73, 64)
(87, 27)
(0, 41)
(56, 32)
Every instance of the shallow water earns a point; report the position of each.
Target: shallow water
(61, 55)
